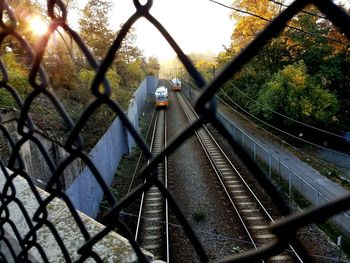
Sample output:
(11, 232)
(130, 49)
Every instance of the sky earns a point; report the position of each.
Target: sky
(196, 25)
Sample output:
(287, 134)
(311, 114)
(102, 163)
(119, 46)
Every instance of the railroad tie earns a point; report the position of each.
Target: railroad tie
(246, 203)
(153, 211)
(281, 258)
(237, 191)
(265, 236)
(234, 187)
(153, 228)
(255, 218)
(259, 227)
(150, 247)
(155, 199)
(242, 197)
(249, 210)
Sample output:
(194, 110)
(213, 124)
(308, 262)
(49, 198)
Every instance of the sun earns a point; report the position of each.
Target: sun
(38, 26)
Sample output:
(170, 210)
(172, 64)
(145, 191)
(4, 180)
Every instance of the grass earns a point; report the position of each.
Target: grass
(124, 173)
(199, 216)
(237, 250)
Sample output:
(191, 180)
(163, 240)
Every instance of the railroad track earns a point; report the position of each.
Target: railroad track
(251, 212)
(152, 224)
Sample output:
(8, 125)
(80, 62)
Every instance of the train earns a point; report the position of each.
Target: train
(176, 84)
(161, 95)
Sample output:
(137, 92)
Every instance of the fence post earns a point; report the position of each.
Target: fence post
(270, 165)
(254, 151)
(339, 244)
(242, 139)
(290, 184)
(279, 167)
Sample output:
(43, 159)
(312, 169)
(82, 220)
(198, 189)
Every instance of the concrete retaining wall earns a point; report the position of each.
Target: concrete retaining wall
(32, 157)
(112, 248)
(85, 192)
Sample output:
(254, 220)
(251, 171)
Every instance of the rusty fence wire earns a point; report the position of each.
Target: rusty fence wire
(205, 106)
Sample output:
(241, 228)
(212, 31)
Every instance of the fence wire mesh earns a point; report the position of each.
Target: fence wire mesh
(13, 166)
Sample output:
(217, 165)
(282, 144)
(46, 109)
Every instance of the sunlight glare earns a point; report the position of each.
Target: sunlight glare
(38, 26)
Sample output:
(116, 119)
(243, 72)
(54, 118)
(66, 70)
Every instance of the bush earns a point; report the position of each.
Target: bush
(18, 79)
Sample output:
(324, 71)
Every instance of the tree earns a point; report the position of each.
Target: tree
(249, 80)
(18, 79)
(152, 66)
(131, 73)
(293, 92)
(325, 59)
(86, 78)
(129, 62)
(61, 67)
(94, 26)
(204, 63)
(129, 51)
(247, 26)
(304, 75)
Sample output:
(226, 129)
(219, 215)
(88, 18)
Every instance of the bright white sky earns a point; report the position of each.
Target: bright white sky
(196, 25)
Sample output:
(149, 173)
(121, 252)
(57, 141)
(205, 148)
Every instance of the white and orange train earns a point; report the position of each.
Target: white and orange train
(161, 95)
(176, 84)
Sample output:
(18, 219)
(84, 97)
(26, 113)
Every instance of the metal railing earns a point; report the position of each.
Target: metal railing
(293, 176)
(205, 106)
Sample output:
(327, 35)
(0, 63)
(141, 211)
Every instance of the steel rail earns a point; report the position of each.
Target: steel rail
(141, 153)
(166, 185)
(205, 138)
(143, 194)
(150, 227)
(249, 189)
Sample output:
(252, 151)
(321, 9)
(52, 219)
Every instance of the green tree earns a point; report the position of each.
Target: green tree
(129, 51)
(326, 60)
(61, 67)
(205, 64)
(129, 62)
(18, 79)
(249, 80)
(87, 76)
(152, 66)
(131, 73)
(302, 75)
(94, 26)
(293, 92)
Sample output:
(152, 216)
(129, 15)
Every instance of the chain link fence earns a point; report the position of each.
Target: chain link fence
(38, 217)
